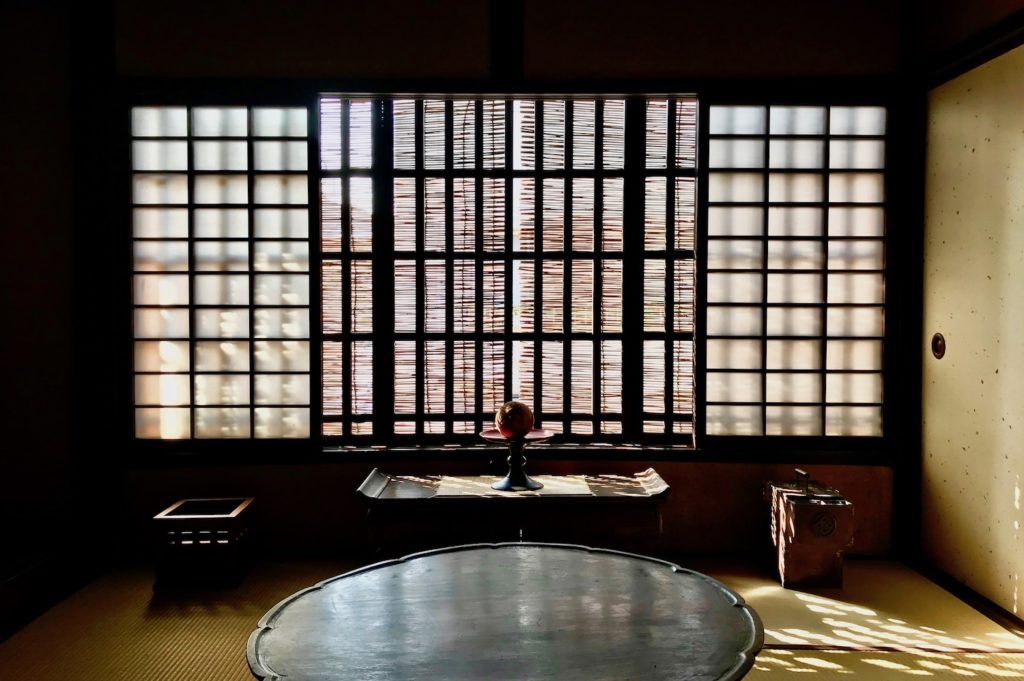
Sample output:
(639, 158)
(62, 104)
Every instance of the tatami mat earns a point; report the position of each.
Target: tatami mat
(882, 605)
(887, 623)
(842, 665)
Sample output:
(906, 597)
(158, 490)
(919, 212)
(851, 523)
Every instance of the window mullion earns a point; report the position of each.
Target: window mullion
(538, 263)
(567, 272)
(449, 266)
(478, 267)
(633, 268)
(383, 270)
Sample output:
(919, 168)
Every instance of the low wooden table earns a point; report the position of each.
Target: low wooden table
(510, 611)
(408, 513)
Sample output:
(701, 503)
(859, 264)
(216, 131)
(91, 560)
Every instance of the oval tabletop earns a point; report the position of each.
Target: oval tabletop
(510, 611)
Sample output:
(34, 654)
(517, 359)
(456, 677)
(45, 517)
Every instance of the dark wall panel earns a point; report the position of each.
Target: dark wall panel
(321, 38)
(711, 507)
(35, 275)
(735, 38)
(942, 24)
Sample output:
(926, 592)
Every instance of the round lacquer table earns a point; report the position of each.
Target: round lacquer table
(510, 611)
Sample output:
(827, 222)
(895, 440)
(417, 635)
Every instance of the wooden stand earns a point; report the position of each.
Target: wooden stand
(407, 513)
(202, 542)
(811, 527)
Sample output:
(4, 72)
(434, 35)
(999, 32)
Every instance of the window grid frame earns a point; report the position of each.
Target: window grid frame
(190, 206)
(884, 306)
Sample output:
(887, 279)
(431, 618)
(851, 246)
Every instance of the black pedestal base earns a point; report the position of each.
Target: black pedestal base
(517, 480)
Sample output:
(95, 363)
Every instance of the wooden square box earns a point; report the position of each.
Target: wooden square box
(202, 541)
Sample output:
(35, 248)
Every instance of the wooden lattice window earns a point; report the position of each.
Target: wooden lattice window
(499, 231)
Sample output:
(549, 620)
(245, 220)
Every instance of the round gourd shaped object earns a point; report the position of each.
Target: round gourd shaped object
(514, 419)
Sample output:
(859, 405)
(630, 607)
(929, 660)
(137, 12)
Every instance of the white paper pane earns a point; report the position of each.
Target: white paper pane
(222, 289)
(796, 154)
(220, 122)
(855, 255)
(282, 289)
(857, 120)
(161, 323)
(280, 155)
(222, 389)
(148, 155)
(214, 356)
(290, 355)
(793, 321)
(737, 120)
(855, 288)
(856, 154)
(220, 156)
(281, 223)
(279, 122)
(856, 188)
(161, 256)
(741, 153)
(282, 256)
(155, 189)
(854, 354)
(859, 421)
(222, 255)
(795, 255)
(734, 254)
(162, 389)
(724, 419)
(793, 420)
(740, 221)
(281, 323)
(734, 386)
(159, 121)
(161, 289)
(795, 221)
(214, 323)
(734, 288)
(853, 388)
(222, 189)
(222, 423)
(794, 288)
(733, 187)
(855, 321)
(793, 387)
(734, 321)
(797, 120)
(794, 354)
(794, 188)
(160, 223)
(733, 354)
(164, 424)
(284, 422)
(221, 223)
(163, 355)
(856, 221)
(293, 189)
(282, 389)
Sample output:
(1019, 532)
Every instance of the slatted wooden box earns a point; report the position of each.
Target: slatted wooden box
(202, 541)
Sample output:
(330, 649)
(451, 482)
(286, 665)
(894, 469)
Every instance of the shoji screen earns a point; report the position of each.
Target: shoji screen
(221, 272)
(795, 286)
